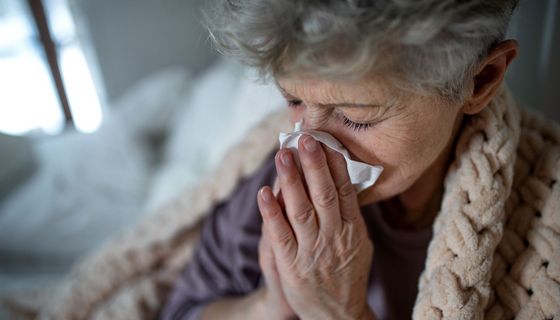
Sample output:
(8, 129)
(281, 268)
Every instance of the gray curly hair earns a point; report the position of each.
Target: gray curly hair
(427, 46)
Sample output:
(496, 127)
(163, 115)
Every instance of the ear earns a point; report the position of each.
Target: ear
(490, 75)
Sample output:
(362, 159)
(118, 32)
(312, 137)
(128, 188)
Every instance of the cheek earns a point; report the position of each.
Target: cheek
(405, 151)
(401, 148)
(380, 147)
(385, 145)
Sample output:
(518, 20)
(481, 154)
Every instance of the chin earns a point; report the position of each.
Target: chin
(382, 191)
(371, 195)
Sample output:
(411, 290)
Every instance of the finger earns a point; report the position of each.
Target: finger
(299, 209)
(276, 187)
(265, 253)
(278, 194)
(281, 236)
(347, 196)
(267, 261)
(322, 189)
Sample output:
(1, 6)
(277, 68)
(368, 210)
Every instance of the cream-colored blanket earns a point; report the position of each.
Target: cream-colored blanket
(495, 252)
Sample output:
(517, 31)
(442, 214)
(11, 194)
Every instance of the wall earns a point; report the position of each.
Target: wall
(534, 76)
(133, 38)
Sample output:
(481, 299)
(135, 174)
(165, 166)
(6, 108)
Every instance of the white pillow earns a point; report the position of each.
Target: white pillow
(88, 186)
(224, 103)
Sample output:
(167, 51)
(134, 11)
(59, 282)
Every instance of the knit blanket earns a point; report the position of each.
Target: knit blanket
(495, 251)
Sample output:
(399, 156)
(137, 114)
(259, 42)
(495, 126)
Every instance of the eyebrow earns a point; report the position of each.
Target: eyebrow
(349, 105)
(333, 105)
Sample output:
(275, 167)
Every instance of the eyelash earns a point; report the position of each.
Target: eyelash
(294, 103)
(355, 125)
(347, 122)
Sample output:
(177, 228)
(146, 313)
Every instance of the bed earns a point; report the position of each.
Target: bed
(161, 137)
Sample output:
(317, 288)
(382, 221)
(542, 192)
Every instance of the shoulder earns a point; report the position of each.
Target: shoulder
(245, 192)
(536, 185)
(538, 151)
(240, 208)
(523, 266)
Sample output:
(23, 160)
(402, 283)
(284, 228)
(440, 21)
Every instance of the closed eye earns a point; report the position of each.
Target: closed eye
(355, 125)
(294, 103)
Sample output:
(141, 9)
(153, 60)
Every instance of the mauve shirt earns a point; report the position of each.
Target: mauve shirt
(225, 263)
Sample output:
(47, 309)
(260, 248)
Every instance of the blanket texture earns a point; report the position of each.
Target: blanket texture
(495, 252)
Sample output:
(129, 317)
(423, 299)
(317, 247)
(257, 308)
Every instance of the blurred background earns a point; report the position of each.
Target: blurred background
(110, 109)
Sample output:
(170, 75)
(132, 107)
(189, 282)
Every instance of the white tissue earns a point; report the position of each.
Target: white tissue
(361, 174)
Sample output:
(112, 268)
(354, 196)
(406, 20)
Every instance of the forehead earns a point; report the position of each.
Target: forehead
(367, 90)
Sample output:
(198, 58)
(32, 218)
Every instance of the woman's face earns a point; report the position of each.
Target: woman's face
(404, 133)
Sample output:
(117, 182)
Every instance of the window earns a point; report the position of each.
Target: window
(29, 98)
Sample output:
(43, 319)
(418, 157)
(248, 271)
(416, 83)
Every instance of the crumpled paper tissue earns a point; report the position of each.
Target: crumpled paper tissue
(361, 174)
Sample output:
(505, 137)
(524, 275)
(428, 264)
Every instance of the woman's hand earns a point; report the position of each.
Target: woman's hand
(272, 303)
(322, 251)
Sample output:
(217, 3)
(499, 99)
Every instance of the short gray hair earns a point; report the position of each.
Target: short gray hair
(429, 46)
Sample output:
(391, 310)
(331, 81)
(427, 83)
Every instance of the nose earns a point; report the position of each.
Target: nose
(301, 125)
(297, 115)
(309, 121)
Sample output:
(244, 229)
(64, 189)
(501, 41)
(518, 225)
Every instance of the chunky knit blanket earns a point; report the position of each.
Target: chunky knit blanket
(495, 252)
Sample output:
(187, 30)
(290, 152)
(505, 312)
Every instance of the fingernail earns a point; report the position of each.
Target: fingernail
(310, 144)
(266, 195)
(286, 159)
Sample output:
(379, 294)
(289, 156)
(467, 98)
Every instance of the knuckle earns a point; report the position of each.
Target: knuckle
(285, 239)
(290, 178)
(337, 159)
(304, 215)
(319, 163)
(346, 189)
(326, 198)
(315, 161)
(274, 214)
(354, 221)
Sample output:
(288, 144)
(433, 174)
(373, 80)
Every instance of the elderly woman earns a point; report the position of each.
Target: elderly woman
(464, 221)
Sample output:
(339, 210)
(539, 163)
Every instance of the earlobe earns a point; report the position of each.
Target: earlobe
(490, 76)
